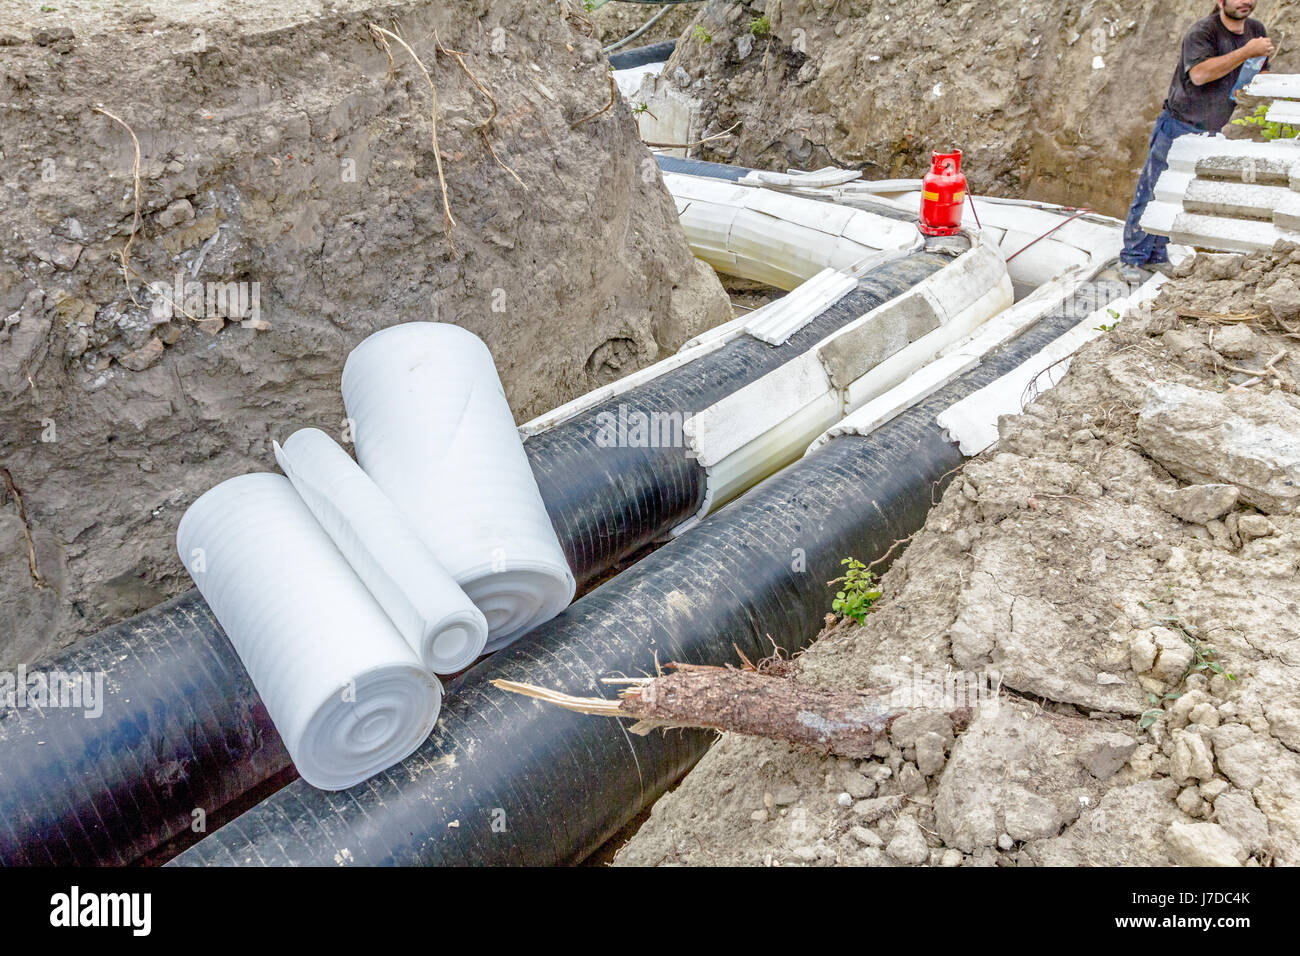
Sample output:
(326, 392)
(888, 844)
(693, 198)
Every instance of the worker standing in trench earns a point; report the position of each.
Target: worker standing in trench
(1201, 100)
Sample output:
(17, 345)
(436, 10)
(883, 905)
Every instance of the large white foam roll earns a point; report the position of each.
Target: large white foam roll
(433, 429)
(428, 607)
(348, 695)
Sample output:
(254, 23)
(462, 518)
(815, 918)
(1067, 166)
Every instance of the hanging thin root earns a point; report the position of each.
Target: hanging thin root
(699, 142)
(482, 127)
(745, 702)
(382, 36)
(613, 95)
(12, 490)
(135, 221)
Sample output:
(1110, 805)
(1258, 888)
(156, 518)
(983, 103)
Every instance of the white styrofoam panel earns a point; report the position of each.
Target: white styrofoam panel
(1284, 111)
(1234, 200)
(1273, 86)
(1226, 235)
(825, 217)
(739, 418)
(1158, 218)
(765, 455)
(878, 232)
(775, 326)
(888, 405)
(899, 366)
(819, 179)
(706, 189)
(1187, 150)
(973, 421)
(1172, 185)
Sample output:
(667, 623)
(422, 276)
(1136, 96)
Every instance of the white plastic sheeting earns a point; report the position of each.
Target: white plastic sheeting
(973, 422)
(433, 429)
(348, 695)
(428, 608)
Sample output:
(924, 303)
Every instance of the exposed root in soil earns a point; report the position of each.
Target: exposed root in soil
(135, 220)
(613, 95)
(482, 127)
(699, 142)
(747, 702)
(12, 490)
(381, 35)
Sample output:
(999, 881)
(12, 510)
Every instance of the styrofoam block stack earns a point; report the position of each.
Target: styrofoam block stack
(434, 431)
(428, 608)
(767, 424)
(1271, 86)
(348, 695)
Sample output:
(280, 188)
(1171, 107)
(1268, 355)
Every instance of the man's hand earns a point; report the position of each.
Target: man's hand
(1260, 46)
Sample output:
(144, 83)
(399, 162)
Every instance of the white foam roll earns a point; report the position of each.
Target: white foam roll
(433, 429)
(348, 695)
(428, 607)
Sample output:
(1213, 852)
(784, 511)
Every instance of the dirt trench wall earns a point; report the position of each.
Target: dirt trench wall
(877, 85)
(279, 155)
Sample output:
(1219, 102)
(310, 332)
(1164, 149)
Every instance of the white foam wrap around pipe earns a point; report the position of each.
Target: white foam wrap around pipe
(347, 694)
(428, 607)
(434, 431)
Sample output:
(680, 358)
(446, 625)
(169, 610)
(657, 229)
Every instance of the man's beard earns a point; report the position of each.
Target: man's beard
(1233, 14)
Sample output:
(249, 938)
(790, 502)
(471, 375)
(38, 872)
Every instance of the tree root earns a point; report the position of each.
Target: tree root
(482, 127)
(747, 702)
(135, 221)
(381, 37)
(613, 95)
(10, 489)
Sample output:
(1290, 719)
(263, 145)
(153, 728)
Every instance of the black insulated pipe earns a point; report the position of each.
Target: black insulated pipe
(182, 728)
(618, 476)
(642, 55)
(510, 780)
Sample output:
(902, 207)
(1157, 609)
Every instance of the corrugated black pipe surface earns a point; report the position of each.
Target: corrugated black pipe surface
(183, 730)
(509, 780)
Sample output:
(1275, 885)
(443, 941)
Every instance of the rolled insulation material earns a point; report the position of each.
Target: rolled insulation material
(346, 693)
(433, 429)
(428, 608)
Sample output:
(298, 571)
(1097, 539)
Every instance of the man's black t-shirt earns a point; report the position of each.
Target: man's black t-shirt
(1208, 107)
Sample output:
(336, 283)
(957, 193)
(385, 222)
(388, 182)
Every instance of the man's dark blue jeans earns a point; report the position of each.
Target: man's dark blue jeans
(1140, 248)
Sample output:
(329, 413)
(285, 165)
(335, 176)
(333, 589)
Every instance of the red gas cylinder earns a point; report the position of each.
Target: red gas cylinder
(943, 194)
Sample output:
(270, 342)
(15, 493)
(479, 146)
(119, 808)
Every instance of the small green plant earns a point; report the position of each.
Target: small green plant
(761, 27)
(701, 35)
(1269, 130)
(1204, 658)
(859, 593)
(1107, 326)
(46, 8)
(642, 108)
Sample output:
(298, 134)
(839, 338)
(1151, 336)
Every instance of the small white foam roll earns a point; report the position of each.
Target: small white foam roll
(433, 429)
(428, 607)
(348, 695)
